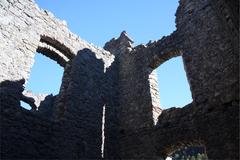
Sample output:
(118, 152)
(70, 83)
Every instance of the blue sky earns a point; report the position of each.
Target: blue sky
(99, 21)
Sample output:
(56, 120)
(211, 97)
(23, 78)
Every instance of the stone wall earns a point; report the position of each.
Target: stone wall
(25, 30)
(108, 104)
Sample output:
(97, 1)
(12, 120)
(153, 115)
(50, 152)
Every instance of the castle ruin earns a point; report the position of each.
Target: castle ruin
(107, 107)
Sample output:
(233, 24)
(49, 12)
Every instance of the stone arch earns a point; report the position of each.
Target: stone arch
(167, 55)
(154, 91)
(194, 143)
(169, 149)
(55, 50)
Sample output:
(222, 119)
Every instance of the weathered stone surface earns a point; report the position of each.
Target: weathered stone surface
(26, 29)
(108, 105)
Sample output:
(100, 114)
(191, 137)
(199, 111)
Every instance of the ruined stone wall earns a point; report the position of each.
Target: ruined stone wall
(207, 39)
(215, 55)
(135, 104)
(26, 29)
(108, 105)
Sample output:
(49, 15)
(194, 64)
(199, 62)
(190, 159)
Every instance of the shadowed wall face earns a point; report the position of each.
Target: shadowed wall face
(74, 115)
(209, 49)
(82, 104)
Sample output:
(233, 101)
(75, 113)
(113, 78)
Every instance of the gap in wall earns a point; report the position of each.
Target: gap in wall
(173, 85)
(45, 77)
(25, 105)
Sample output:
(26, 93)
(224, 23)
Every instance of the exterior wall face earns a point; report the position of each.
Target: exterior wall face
(119, 80)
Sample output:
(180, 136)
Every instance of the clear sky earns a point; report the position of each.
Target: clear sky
(98, 21)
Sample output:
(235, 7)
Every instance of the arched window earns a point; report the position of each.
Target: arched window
(46, 74)
(45, 78)
(169, 85)
(173, 84)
